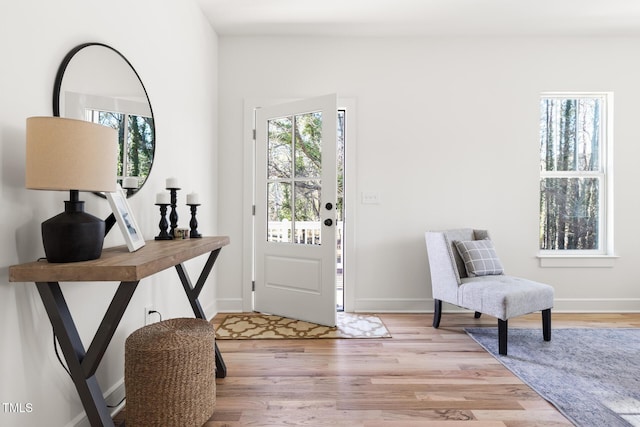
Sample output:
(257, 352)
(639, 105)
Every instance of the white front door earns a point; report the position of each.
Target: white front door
(295, 199)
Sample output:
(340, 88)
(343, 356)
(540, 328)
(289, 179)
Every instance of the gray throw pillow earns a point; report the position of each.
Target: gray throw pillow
(480, 258)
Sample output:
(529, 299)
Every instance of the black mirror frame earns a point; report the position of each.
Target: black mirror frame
(57, 86)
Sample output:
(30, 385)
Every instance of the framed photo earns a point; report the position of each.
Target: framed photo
(125, 219)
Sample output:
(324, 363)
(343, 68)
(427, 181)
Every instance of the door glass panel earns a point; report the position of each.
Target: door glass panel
(294, 145)
(307, 212)
(340, 210)
(279, 212)
(279, 150)
(308, 140)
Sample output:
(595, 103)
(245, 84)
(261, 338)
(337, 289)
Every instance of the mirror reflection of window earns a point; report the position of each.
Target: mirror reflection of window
(95, 79)
(135, 141)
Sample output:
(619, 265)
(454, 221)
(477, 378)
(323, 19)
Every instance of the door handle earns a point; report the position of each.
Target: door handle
(328, 222)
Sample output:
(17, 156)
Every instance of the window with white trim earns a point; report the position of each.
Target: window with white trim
(574, 173)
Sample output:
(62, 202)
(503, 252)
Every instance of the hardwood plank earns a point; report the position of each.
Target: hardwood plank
(419, 377)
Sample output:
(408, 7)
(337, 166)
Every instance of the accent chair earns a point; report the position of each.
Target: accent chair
(466, 272)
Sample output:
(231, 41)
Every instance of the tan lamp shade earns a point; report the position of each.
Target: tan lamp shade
(69, 154)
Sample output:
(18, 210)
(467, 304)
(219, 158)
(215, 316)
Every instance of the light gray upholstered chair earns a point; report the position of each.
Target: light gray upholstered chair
(490, 291)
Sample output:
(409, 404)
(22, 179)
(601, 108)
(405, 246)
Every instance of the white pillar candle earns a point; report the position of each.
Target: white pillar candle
(193, 199)
(130, 182)
(172, 182)
(163, 198)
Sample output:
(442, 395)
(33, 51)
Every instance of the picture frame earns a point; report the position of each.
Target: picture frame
(125, 219)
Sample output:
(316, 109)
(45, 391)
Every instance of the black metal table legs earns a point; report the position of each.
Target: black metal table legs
(83, 364)
(193, 292)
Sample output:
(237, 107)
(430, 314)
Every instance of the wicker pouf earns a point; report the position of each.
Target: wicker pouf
(169, 374)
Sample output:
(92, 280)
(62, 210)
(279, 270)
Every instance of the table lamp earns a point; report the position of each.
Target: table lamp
(71, 155)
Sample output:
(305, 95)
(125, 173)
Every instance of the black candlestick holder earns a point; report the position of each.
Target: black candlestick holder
(194, 222)
(164, 235)
(173, 216)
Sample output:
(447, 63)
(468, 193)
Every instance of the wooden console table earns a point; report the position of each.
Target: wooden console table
(128, 268)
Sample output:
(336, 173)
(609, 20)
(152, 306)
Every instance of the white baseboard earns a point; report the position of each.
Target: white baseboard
(561, 305)
(210, 310)
(393, 305)
(229, 305)
(597, 305)
(425, 305)
(113, 396)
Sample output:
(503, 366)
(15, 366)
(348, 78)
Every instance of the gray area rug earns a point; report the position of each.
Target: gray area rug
(591, 375)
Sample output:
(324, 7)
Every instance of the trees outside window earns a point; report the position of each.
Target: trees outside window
(135, 141)
(294, 190)
(573, 173)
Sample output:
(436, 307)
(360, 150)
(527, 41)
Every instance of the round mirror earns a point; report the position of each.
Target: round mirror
(97, 83)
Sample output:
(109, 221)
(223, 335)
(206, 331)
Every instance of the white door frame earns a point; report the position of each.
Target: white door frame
(248, 198)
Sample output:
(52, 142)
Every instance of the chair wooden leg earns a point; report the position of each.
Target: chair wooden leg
(477, 315)
(546, 324)
(502, 336)
(437, 312)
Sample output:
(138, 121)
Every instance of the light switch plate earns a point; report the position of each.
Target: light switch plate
(371, 197)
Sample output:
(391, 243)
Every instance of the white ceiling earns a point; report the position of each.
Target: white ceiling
(424, 17)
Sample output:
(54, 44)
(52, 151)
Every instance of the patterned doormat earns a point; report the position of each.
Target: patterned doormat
(249, 326)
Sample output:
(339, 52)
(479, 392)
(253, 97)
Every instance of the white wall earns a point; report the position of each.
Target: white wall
(447, 132)
(439, 121)
(174, 51)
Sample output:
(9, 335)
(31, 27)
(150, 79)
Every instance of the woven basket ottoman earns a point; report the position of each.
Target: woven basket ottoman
(169, 374)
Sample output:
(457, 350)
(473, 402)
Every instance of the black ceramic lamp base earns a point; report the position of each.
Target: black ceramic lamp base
(73, 235)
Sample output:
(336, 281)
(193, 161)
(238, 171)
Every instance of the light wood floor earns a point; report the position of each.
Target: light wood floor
(420, 377)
